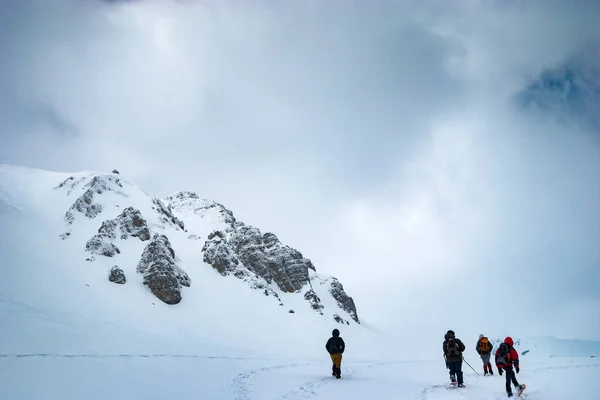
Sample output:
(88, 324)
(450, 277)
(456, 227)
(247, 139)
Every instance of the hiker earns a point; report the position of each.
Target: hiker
(453, 349)
(335, 347)
(484, 349)
(506, 357)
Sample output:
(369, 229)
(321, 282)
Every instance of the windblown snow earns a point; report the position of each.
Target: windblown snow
(107, 292)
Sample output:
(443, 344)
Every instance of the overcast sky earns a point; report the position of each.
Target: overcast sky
(379, 138)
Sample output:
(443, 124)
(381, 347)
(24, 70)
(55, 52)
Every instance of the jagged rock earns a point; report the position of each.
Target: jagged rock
(166, 214)
(291, 311)
(100, 244)
(109, 228)
(269, 259)
(114, 171)
(131, 223)
(344, 301)
(117, 275)
(219, 254)
(314, 300)
(193, 237)
(85, 203)
(339, 319)
(160, 272)
(65, 235)
(103, 183)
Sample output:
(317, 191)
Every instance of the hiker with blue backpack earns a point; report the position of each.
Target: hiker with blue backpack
(453, 348)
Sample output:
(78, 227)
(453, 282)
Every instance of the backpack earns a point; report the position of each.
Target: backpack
(502, 356)
(452, 347)
(484, 345)
(336, 346)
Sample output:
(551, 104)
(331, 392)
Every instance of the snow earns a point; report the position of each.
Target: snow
(69, 333)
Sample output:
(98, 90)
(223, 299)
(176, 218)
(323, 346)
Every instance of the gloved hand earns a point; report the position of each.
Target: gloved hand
(500, 371)
(517, 368)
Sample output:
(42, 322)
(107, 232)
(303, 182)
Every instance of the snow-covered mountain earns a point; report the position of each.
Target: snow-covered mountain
(96, 244)
(109, 293)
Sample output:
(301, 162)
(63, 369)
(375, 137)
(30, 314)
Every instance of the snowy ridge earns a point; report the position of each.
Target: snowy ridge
(124, 255)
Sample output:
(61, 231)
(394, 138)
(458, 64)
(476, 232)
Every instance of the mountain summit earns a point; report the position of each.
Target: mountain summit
(146, 243)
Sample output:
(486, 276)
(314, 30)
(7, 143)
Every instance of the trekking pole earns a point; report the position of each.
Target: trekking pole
(470, 366)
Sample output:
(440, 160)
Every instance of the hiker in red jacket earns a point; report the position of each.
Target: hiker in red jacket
(506, 357)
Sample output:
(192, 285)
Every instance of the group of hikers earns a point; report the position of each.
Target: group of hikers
(506, 357)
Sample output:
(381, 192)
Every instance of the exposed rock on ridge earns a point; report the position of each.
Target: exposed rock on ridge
(344, 301)
(166, 214)
(264, 255)
(129, 223)
(160, 271)
(85, 204)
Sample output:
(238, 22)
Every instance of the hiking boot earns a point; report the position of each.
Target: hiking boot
(491, 372)
(461, 385)
(452, 378)
(509, 394)
(485, 373)
(519, 388)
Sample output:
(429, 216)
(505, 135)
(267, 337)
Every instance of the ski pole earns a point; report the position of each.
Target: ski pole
(470, 366)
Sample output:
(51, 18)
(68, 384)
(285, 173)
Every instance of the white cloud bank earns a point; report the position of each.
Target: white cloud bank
(379, 138)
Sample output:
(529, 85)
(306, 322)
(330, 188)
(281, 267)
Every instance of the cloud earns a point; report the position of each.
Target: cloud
(382, 140)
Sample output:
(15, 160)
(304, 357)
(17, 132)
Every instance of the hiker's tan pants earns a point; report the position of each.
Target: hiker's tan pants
(337, 359)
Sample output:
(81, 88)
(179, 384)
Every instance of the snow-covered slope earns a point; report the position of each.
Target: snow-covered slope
(99, 255)
(542, 347)
(69, 332)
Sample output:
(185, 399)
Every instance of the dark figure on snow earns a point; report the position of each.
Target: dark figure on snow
(484, 349)
(335, 347)
(506, 358)
(453, 348)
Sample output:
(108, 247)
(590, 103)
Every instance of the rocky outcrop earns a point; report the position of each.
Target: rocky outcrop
(85, 204)
(268, 258)
(344, 301)
(220, 254)
(117, 275)
(314, 301)
(166, 214)
(340, 320)
(129, 223)
(101, 244)
(160, 271)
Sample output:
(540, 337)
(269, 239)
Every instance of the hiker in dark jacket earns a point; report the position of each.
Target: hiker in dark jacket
(453, 349)
(484, 349)
(506, 357)
(335, 347)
